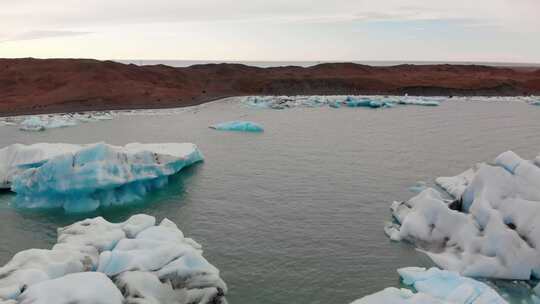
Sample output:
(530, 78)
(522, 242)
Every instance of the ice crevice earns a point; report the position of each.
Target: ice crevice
(135, 261)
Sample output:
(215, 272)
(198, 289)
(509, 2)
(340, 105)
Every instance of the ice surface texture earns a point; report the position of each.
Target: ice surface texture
(98, 262)
(238, 125)
(435, 286)
(491, 229)
(84, 178)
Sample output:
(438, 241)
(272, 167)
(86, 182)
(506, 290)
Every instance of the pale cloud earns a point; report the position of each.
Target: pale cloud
(254, 24)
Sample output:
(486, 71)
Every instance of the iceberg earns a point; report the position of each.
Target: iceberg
(52, 121)
(418, 102)
(85, 178)
(237, 125)
(37, 123)
(435, 286)
(489, 230)
(362, 102)
(95, 261)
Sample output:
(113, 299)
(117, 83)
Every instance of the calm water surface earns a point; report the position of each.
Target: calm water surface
(296, 214)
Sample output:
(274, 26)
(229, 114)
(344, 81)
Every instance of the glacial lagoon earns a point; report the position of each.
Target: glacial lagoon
(294, 214)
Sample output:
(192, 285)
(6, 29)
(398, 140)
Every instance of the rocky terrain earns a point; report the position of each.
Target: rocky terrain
(67, 85)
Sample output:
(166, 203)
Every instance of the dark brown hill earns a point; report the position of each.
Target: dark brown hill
(62, 85)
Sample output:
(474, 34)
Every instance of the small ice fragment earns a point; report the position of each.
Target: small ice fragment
(237, 125)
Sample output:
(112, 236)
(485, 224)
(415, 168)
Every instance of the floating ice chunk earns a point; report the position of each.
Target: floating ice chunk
(51, 121)
(449, 286)
(99, 175)
(38, 123)
(392, 295)
(80, 288)
(418, 102)
(492, 231)
(435, 286)
(167, 267)
(362, 102)
(17, 158)
(33, 123)
(237, 125)
(334, 104)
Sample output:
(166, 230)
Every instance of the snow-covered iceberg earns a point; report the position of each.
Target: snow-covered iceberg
(238, 125)
(435, 286)
(84, 178)
(98, 262)
(491, 227)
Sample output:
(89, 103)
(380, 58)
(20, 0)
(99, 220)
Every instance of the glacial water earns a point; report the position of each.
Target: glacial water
(295, 214)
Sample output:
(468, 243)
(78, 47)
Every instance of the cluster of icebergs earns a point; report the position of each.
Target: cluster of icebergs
(490, 228)
(375, 101)
(286, 102)
(82, 178)
(52, 121)
(98, 262)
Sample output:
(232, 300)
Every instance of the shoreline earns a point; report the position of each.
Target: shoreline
(45, 86)
(125, 111)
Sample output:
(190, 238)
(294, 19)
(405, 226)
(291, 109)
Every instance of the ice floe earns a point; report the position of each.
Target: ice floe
(53, 121)
(491, 227)
(238, 125)
(435, 286)
(84, 178)
(98, 262)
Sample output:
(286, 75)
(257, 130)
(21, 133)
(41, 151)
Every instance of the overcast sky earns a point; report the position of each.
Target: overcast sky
(449, 30)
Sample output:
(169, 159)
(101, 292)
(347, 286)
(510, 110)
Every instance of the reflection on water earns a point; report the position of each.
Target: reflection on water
(296, 214)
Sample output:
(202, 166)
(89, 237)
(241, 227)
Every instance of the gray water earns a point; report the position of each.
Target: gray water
(296, 214)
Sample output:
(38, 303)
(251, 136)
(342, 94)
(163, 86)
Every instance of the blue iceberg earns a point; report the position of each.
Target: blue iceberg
(435, 286)
(361, 102)
(239, 126)
(100, 175)
(368, 103)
